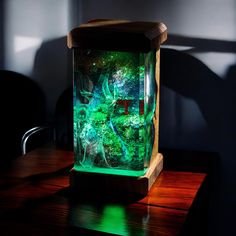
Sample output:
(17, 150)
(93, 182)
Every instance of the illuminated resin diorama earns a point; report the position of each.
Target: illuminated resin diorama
(116, 77)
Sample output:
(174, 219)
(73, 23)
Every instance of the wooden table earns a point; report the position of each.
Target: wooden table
(35, 200)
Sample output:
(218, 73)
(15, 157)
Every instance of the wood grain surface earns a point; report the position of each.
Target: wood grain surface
(35, 199)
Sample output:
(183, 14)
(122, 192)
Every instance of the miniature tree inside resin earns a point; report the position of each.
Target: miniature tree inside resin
(114, 105)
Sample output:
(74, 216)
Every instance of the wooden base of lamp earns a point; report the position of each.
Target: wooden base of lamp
(116, 184)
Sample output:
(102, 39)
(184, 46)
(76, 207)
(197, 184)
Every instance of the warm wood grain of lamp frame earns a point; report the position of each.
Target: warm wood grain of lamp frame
(122, 35)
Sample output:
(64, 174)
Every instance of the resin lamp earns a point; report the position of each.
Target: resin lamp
(116, 105)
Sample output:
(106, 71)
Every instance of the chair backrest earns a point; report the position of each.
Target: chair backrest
(63, 120)
(22, 107)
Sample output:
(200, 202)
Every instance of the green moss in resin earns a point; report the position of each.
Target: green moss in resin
(114, 103)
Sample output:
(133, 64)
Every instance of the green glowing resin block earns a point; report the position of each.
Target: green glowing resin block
(116, 102)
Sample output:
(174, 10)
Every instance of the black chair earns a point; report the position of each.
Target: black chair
(59, 132)
(63, 120)
(22, 106)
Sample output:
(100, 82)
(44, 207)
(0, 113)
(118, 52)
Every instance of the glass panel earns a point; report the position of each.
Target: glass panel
(114, 104)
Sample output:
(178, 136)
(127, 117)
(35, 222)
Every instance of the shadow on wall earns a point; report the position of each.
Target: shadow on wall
(53, 71)
(190, 78)
(216, 99)
(215, 96)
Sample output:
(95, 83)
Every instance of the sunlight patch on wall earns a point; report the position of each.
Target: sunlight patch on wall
(22, 43)
(217, 61)
(177, 47)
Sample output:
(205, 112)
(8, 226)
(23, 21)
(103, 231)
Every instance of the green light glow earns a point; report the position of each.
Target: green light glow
(110, 218)
(111, 171)
(113, 220)
(114, 103)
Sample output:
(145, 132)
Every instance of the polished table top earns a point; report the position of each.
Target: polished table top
(35, 200)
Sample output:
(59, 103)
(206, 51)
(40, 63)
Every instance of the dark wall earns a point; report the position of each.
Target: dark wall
(198, 101)
(1, 34)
